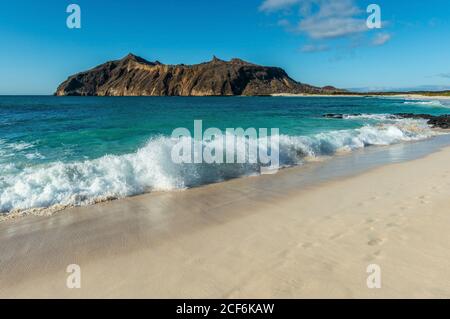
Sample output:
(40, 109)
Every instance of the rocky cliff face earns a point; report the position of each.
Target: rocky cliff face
(134, 76)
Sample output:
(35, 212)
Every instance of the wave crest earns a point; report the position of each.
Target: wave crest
(432, 103)
(151, 167)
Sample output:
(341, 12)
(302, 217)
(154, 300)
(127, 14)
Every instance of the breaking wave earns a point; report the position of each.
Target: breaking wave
(377, 117)
(432, 103)
(151, 168)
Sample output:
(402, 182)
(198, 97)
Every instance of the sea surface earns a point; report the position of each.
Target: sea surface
(65, 151)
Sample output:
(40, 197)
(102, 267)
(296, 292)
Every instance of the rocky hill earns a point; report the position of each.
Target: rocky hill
(134, 76)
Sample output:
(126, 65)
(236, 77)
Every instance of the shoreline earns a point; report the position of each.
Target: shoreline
(359, 95)
(401, 96)
(258, 237)
(420, 96)
(308, 165)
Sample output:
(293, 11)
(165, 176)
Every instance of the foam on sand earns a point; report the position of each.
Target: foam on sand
(248, 238)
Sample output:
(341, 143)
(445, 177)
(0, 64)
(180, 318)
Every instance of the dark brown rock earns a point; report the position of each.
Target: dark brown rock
(134, 76)
(441, 121)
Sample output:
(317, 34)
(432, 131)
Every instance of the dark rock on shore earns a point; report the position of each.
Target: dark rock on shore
(340, 115)
(441, 121)
(134, 76)
(337, 115)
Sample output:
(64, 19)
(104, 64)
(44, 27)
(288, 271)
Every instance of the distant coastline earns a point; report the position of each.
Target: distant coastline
(445, 95)
(413, 95)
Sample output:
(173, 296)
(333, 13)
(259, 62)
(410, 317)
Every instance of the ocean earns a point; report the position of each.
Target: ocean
(67, 151)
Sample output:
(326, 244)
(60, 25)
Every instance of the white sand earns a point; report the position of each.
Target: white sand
(421, 97)
(243, 239)
(402, 96)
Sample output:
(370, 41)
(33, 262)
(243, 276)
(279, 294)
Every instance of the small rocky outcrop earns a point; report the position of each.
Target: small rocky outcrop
(439, 121)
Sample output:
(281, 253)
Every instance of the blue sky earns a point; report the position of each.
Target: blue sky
(320, 42)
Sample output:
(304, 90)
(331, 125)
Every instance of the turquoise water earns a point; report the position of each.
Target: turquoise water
(76, 150)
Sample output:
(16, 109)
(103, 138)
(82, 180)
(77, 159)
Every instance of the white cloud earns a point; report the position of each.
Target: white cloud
(381, 38)
(333, 27)
(309, 48)
(444, 75)
(273, 5)
(284, 23)
(323, 19)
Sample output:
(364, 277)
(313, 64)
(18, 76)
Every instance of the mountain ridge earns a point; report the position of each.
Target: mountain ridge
(135, 76)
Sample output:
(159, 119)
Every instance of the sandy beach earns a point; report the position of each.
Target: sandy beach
(247, 238)
(412, 96)
(419, 96)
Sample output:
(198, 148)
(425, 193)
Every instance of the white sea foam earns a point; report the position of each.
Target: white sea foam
(35, 155)
(431, 103)
(151, 167)
(378, 117)
(9, 150)
(20, 146)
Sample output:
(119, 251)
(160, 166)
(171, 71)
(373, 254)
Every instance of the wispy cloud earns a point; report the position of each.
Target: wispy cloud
(381, 38)
(322, 19)
(273, 5)
(284, 23)
(444, 75)
(310, 48)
